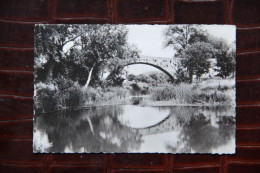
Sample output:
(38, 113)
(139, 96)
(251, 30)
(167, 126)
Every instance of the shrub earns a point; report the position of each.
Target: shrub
(215, 97)
(49, 99)
(163, 93)
(73, 98)
(98, 95)
(223, 88)
(92, 95)
(46, 100)
(136, 100)
(181, 93)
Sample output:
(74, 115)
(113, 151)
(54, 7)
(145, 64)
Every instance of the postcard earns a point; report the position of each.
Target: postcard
(134, 89)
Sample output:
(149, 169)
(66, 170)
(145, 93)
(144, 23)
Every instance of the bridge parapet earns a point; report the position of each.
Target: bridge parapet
(160, 62)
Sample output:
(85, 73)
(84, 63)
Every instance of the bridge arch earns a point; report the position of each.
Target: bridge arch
(169, 123)
(156, 66)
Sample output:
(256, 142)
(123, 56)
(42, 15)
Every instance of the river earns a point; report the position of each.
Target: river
(133, 128)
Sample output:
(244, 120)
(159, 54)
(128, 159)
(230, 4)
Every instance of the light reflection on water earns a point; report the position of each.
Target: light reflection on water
(131, 128)
(141, 117)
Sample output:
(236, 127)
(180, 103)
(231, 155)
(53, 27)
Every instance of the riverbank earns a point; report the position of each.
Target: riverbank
(157, 104)
(171, 103)
(206, 93)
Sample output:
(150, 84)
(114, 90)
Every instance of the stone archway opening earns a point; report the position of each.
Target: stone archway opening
(153, 65)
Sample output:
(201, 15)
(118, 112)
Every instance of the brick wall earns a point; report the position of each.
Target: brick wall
(17, 19)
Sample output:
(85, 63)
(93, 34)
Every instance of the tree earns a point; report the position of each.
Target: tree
(50, 41)
(131, 77)
(153, 76)
(180, 36)
(180, 74)
(232, 54)
(225, 65)
(114, 78)
(191, 45)
(225, 56)
(143, 78)
(115, 66)
(103, 47)
(196, 59)
(80, 53)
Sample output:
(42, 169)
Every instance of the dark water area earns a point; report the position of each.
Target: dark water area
(132, 128)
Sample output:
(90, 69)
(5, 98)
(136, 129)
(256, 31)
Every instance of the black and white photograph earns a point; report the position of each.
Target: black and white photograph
(103, 88)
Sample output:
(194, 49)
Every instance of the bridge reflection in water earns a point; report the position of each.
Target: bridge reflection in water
(109, 129)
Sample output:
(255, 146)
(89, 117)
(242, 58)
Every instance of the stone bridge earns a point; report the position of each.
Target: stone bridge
(166, 65)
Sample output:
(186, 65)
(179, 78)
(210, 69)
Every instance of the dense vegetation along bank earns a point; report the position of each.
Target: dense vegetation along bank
(206, 93)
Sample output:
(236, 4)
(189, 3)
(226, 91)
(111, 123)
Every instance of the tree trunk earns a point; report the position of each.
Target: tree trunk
(89, 78)
(190, 76)
(90, 125)
(50, 72)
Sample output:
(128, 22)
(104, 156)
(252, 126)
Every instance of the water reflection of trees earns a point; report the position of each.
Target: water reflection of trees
(93, 130)
(98, 129)
(202, 130)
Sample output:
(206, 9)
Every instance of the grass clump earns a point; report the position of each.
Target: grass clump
(163, 93)
(212, 98)
(192, 94)
(180, 93)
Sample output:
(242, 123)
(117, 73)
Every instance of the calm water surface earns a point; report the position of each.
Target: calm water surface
(132, 128)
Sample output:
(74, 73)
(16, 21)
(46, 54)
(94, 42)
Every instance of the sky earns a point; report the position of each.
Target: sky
(149, 40)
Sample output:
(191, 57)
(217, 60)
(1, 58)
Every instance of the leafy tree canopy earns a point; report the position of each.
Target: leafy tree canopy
(180, 36)
(197, 58)
(195, 47)
(225, 55)
(79, 53)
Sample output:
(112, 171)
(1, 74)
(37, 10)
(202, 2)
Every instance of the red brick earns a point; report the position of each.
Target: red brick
(248, 92)
(245, 12)
(206, 169)
(19, 151)
(19, 59)
(248, 65)
(248, 39)
(81, 21)
(141, 10)
(139, 160)
(18, 83)
(190, 12)
(195, 160)
(33, 10)
(248, 116)
(5, 168)
(81, 8)
(243, 167)
(138, 170)
(98, 159)
(248, 137)
(13, 108)
(16, 34)
(16, 129)
(78, 169)
(245, 153)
